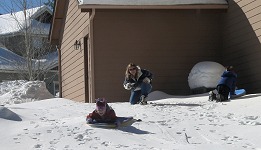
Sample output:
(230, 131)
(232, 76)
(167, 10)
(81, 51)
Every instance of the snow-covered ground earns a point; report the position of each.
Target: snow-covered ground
(171, 122)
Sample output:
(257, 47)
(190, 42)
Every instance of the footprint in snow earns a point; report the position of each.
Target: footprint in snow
(38, 146)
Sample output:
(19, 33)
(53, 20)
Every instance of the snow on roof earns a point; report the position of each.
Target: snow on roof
(48, 61)
(5, 54)
(16, 22)
(151, 2)
(12, 61)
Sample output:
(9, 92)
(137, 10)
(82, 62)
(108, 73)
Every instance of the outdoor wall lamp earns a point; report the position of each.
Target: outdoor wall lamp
(77, 44)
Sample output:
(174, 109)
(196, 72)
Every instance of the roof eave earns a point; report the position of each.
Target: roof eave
(57, 21)
(50, 37)
(192, 6)
(40, 11)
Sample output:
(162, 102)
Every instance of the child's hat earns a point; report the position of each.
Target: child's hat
(100, 102)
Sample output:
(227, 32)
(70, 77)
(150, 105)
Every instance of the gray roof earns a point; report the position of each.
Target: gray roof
(12, 61)
(151, 2)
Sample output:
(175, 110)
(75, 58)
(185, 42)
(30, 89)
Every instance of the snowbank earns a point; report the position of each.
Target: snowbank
(169, 122)
(20, 91)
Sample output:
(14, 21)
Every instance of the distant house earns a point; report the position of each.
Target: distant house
(13, 26)
(15, 22)
(12, 66)
(12, 48)
(97, 39)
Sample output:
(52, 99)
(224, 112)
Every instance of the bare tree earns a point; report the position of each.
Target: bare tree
(31, 38)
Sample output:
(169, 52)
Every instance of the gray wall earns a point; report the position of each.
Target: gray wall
(166, 42)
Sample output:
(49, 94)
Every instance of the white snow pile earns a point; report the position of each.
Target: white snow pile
(205, 74)
(20, 91)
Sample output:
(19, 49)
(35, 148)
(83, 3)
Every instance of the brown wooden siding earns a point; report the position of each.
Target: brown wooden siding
(72, 61)
(166, 42)
(241, 42)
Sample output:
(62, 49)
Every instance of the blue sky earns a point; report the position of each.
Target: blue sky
(6, 6)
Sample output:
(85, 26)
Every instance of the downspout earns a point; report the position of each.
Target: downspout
(91, 61)
(59, 71)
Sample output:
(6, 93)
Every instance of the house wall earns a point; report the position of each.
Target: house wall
(16, 44)
(8, 76)
(72, 61)
(241, 42)
(166, 42)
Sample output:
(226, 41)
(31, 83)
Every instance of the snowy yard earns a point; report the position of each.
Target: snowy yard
(171, 122)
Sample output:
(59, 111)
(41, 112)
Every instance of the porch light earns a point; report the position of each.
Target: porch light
(77, 44)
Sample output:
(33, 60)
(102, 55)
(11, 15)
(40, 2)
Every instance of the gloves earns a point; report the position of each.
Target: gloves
(146, 80)
(129, 86)
(89, 121)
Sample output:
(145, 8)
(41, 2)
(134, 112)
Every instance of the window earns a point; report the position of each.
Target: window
(56, 87)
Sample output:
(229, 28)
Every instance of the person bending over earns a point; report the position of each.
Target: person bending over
(226, 85)
(138, 81)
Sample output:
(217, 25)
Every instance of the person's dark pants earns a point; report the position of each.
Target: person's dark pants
(135, 95)
(224, 91)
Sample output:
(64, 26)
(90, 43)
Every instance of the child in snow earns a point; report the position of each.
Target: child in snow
(226, 85)
(102, 114)
(139, 82)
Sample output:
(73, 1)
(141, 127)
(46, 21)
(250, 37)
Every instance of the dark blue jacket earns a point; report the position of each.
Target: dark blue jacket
(228, 78)
(142, 73)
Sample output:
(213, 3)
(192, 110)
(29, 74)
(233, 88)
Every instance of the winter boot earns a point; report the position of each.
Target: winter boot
(212, 96)
(143, 100)
(220, 98)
